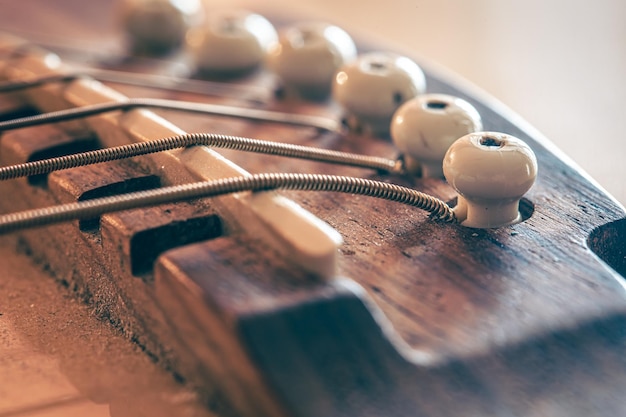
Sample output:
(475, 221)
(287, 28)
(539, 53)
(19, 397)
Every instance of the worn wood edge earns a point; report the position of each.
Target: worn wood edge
(208, 329)
(213, 359)
(462, 386)
(419, 378)
(285, 341)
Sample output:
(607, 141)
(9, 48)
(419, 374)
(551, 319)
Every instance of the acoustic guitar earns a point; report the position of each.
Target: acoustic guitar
(285, 302)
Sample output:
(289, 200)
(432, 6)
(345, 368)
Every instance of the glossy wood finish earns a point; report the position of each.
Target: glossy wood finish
(422, 318)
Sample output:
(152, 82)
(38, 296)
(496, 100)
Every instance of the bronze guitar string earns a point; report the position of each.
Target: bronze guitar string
(181, 85)
(46, 166)
(259, 182)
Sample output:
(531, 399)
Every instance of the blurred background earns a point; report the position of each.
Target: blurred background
(560, 64)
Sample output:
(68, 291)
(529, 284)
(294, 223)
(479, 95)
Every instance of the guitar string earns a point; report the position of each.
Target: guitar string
(256, 94)
(46, 166)
(19, 85)
(439, 210)
(322, 124)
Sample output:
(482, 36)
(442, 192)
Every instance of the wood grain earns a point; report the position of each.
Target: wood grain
(422, 319)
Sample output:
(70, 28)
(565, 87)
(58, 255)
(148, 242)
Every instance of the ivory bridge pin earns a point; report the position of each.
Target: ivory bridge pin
(157, 27)
(491, 172)
(424, 127)
(307, 57)
(230, 43)
(371, 88)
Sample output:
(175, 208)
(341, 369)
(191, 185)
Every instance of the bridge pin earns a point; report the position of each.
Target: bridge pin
(156, 27)
(491, 172)
(424, 127)
(307, 57)
(371, 88)
(231, 43)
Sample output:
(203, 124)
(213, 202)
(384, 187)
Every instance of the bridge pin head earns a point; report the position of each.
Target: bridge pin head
(424, 127)
(491, 172)
(371, 88)
(156, 27)
(231, 42)
(307, 57)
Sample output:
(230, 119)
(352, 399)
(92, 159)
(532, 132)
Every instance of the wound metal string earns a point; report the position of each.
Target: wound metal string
(259, 182)
(46, 166)
(251, 93)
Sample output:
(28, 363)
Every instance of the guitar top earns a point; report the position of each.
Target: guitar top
(288, 303)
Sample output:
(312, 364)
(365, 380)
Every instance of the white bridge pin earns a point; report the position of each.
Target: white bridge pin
(307, 57)
(371, 88)
(158, 26)
(424, 127)
(491, 172)
(231, 42)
